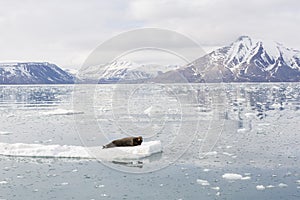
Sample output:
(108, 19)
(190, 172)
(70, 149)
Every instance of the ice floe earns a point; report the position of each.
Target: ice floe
(68, 151)
(260, 187)
(203, 182)
(60, 111)
(282, 185)
(233, 176)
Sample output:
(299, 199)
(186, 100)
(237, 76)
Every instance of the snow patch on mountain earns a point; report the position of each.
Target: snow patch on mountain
(33, 73)
(122, 71)
(248, 60)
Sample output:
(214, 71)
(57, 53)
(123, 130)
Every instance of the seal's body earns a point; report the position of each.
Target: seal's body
(125, 142)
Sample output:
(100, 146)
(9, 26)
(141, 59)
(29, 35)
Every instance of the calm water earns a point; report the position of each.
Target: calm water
(207, 130)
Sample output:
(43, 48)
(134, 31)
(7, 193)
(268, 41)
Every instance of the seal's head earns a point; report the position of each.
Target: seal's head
(137, 140)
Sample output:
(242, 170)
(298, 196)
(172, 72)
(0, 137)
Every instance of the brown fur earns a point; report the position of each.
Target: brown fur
(125, 142)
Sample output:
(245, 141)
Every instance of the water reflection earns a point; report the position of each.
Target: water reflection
(28, 96)
(252, 106)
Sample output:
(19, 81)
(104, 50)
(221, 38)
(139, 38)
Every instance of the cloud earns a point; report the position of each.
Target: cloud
(58, 31)
(218, 22)
(65, 32)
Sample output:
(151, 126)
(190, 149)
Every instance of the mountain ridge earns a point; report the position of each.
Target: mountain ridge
(246, 60)
(33, 73)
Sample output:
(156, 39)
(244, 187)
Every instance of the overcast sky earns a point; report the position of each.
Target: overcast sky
(65, 32)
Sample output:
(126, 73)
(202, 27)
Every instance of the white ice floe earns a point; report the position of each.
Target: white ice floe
(215, 188)
(211, 153)
(270, 186)
(242, 130)
(3, 182)
(232, 176)
(246, 178)
(67, 151)
(5, 133)
(60, 111)
(260, 187)
(203, 182)
(227, 154)
(282, 185)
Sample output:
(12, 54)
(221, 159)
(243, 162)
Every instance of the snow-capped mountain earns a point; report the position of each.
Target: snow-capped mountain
(123, 72)
(33, 73)
(245, 60)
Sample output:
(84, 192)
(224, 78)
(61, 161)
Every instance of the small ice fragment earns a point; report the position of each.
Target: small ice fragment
(270, 186)
(282, 185)
(99, 186)
(62, 112)
(246, 178)
(5, 133)
(260, 187)
(218, 194)
(148, 111)
(206, 170)
(215, 188)
(211, 153)
(242, 130)
(232, 176)
(227, 154)
(298, 181)
(3, 182)
(6, 168)
(203, 182)
(64, 183)
(250, 115)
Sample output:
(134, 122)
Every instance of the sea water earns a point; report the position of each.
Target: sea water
(220, 141)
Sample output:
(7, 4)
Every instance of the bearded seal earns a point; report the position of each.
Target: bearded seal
(125, 142)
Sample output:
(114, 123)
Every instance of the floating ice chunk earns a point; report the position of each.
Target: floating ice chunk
(250, 115)
(246, 178)
(62, 112)
(203, 182)
(148, 111)
(270, 186)
(215, 188)
(298, 181)
(66, 151)
(5, 133)
(260, 187)
(282, 185)
(3, 182)
(232, 176)
(242, 130)
(211, 153)
(227, 154)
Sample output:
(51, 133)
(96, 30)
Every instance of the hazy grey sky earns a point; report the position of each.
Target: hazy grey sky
(66, 31)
